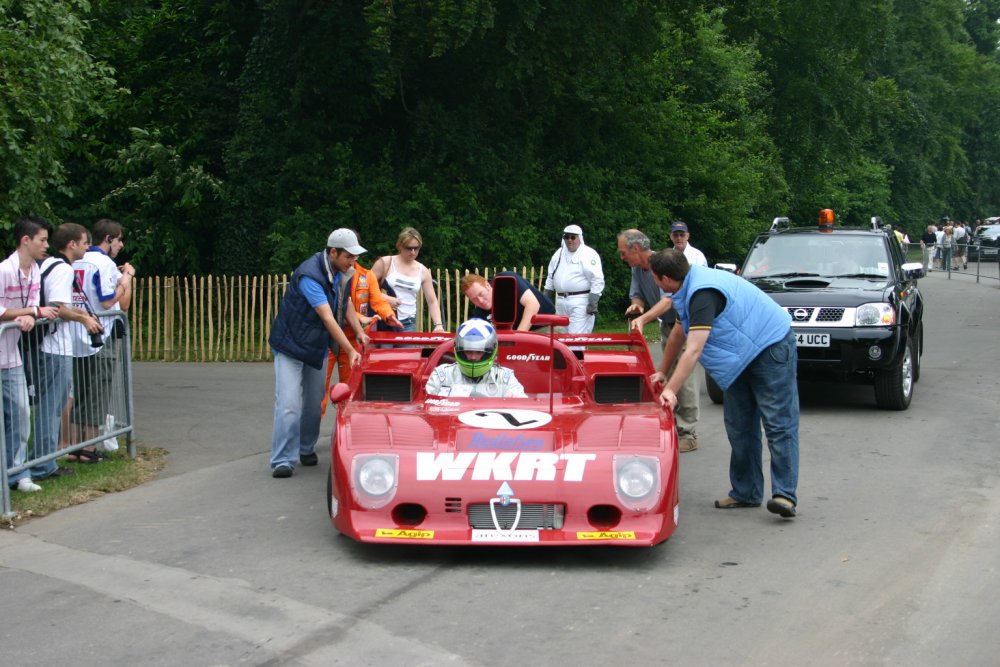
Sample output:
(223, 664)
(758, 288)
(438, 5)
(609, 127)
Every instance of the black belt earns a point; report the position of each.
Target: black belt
(565, 294)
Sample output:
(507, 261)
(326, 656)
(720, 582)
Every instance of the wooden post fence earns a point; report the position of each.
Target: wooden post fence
(228, 318)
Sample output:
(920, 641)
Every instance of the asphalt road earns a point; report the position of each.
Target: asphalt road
(891, 561)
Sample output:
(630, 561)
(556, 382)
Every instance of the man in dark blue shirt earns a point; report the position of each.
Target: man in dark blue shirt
(530, 300)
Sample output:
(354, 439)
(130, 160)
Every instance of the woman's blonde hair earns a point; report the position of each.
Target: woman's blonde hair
(408, 234)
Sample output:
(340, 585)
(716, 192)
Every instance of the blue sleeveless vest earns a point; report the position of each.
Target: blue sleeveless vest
(298, 332)
(750, 322)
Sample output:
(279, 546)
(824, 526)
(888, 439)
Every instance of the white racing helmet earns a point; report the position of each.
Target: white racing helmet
(475, 336)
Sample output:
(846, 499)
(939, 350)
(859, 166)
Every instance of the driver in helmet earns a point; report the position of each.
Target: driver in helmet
(474, 372)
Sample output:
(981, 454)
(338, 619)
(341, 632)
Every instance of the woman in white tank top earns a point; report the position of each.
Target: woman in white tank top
(407, 276)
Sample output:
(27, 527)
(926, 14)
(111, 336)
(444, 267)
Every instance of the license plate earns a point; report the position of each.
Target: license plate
(812, 340)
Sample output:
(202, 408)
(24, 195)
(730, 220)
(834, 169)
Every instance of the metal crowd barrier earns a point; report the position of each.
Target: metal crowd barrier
(983, 267)
(32, 395)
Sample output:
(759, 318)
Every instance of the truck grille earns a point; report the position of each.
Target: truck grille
(824, 317)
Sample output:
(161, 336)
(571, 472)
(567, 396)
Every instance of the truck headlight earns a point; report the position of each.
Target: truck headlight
(637, 481)
(375, 479)
(875, 315)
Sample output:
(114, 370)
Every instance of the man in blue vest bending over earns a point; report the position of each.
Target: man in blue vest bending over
(310, 322)
(745, 341)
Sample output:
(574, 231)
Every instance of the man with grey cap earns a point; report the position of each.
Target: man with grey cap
(309, 323)
(575, 275)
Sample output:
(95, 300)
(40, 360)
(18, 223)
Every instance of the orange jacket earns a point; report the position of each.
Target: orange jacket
(367, 297)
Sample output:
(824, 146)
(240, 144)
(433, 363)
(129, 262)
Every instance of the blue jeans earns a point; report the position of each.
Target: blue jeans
(54, 381)
(16, 414)
(766, 391)
(298, 395)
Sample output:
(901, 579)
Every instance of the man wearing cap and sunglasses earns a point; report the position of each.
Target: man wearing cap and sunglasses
(575, 275)
(309, 322)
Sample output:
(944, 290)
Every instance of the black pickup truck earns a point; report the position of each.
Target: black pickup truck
(856, 309)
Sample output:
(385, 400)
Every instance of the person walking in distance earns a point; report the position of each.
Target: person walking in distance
(927, 242)
(575, 275)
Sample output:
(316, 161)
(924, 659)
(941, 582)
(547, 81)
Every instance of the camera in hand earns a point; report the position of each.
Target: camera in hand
(97, 339)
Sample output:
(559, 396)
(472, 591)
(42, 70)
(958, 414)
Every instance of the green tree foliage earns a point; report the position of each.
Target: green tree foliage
(49, 84)
(154, 160)
(489, 126)
(251, 128)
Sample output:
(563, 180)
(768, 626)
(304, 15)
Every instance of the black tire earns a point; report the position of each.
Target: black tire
(329, 491)
(918, 347)
(714, 390)
(894, 387)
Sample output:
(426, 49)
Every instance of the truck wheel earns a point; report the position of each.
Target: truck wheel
(714, 391)
(918, 350)
(894, 387)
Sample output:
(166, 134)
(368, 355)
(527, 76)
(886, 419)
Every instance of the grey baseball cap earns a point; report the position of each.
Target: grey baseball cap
(346, 239)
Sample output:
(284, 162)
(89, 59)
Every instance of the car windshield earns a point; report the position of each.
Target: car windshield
(792, 256)
(988, 232)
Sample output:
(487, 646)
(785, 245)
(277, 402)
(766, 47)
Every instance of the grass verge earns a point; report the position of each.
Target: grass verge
(117, 472)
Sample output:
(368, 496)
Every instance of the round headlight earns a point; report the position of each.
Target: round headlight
(875, 314)
(636, 479)
(376, 477)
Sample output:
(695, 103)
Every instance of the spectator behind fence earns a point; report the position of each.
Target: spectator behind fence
(19, 288)
(961, 246)
(406, 276)
(310, 322)
(100, 285)
(529, 299)
(55, 370)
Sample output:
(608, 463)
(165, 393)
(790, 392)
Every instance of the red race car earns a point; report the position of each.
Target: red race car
(587, 458)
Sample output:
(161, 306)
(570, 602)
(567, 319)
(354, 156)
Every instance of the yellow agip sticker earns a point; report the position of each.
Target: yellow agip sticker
(404, 534)
(607, 535)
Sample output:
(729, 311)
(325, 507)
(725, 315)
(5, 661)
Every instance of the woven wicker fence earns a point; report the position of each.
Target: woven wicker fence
(228, 318)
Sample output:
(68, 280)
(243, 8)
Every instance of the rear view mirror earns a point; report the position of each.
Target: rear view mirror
(504, 302)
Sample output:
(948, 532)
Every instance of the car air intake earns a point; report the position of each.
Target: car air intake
(392, 388)
(618, 388)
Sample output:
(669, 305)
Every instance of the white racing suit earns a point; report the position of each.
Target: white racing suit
(499, 382)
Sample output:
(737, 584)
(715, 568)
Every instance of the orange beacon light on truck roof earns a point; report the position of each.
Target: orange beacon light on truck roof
(826, 219)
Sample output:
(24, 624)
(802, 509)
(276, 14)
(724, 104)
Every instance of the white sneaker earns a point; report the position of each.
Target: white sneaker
(25, 485)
